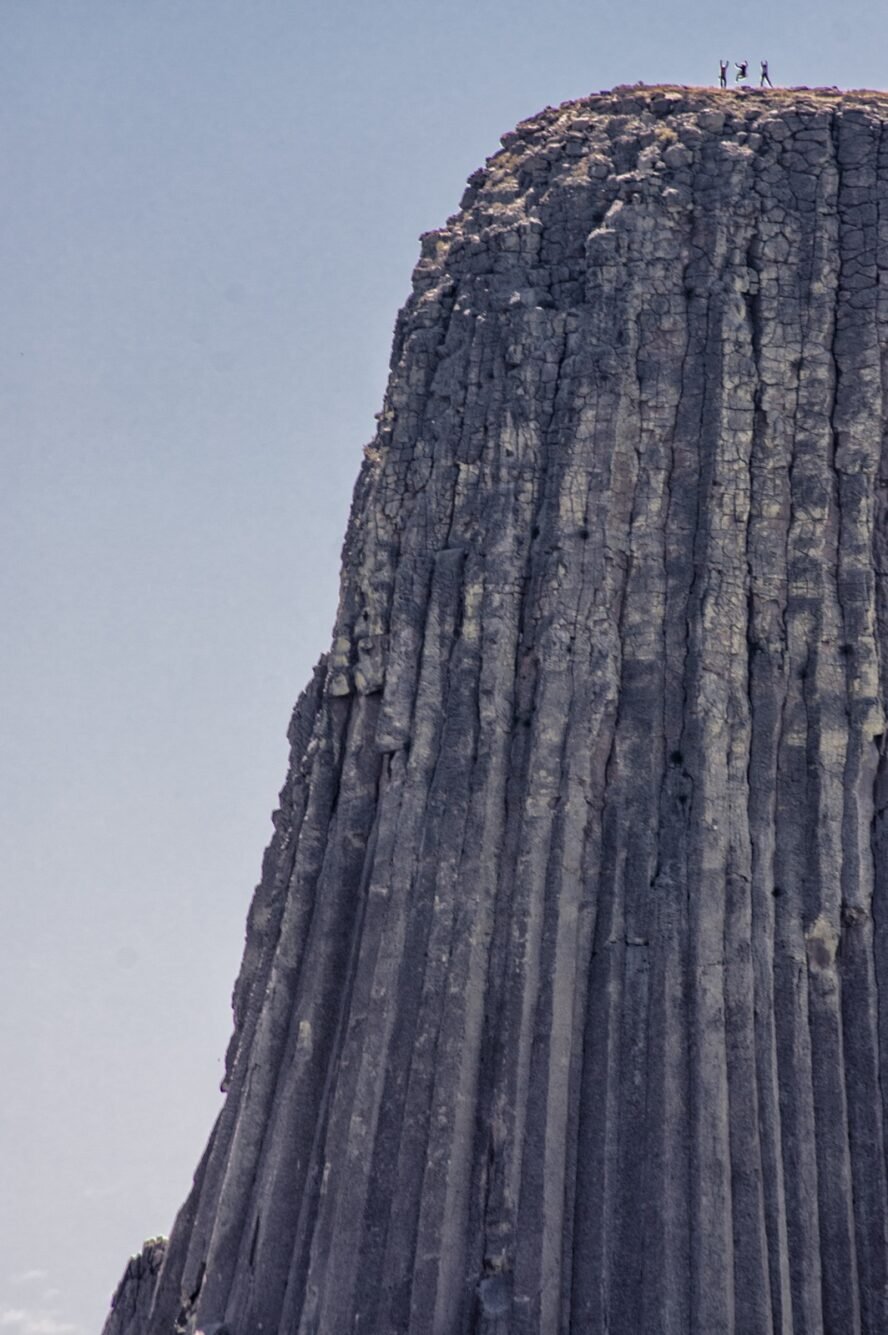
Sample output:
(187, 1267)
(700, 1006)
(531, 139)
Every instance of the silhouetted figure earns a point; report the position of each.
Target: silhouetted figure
(723, 73)
(766, 78)
(742, 67)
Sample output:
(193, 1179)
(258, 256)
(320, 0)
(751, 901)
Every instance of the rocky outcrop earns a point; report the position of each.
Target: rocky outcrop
(131, 1304)
(563, 1003)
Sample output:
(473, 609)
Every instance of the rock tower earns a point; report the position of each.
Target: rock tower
(564, 1002)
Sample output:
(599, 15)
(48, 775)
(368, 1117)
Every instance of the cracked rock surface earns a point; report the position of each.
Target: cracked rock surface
(564, 1002)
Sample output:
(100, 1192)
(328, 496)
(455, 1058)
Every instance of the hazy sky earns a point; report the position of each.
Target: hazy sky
(210, 215)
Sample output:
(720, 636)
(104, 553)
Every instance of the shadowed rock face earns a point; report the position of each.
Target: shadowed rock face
(564, 1003)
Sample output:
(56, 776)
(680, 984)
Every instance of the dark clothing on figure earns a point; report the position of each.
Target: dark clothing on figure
(766, 78)
(723, 73)
(742, 67)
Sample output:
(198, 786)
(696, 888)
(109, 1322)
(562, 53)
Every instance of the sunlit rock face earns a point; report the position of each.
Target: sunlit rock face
(564, 1003)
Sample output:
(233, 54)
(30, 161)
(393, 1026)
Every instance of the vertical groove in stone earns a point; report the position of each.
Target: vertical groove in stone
(563, 1001)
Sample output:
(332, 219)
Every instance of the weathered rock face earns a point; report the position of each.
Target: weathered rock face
(564, 1005)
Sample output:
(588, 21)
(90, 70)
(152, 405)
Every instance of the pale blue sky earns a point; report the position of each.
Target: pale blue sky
(211, 211)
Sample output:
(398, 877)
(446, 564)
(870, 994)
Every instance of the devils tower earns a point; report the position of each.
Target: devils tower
(564, 1001)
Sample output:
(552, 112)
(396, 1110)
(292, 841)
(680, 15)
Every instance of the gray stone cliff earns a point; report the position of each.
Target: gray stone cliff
(564, 1003)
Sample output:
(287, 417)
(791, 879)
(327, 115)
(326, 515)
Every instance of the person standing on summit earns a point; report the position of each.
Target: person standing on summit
(722, 74)
(742, 67)
(766, 78)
